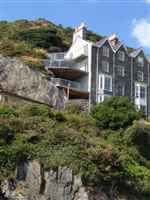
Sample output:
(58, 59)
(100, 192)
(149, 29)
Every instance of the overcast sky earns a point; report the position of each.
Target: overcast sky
(130, 19)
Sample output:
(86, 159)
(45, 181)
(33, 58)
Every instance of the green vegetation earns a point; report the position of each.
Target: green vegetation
(32, 40)
(70, 138)
(115, 113)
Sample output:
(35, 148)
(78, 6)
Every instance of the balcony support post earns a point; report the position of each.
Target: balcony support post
(68, 90)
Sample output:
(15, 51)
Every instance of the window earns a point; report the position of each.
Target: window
(121, 71)
(59, 56)
(101, 82)
(105, 66)
(108, 83)
(140, 61)
(140, 76)
(137, 91)
(121, 55)
(106, 51)
(142, 92)
(121, 90)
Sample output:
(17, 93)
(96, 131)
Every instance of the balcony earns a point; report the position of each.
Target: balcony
(65, 69)
(66, 83)
(75, 88)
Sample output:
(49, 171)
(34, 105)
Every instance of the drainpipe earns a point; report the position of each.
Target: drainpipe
(113, 80)
(68, 90)
(148, 94)
(97, 75)
(89, 67)
(131, 79)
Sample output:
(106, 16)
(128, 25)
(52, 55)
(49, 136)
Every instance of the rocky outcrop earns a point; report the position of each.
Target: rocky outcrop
(17, 78)
(32, 182)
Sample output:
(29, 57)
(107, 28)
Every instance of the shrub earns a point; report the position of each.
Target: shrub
(115, 113)
(6, 111)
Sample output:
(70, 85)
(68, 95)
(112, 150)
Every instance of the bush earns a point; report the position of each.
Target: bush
(115, 113)
(6, 111)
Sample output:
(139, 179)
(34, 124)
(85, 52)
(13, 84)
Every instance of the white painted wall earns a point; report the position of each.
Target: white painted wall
(141, 101)
(77, 48)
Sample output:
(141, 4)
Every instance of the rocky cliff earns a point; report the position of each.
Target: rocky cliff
(19, 79)
(32, 182)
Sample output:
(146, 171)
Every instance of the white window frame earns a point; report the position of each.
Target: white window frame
(105, 66)
(142, 92)
(105, 51)
(122, 87)
(121, 55)
(110, 88)
(138, 91)
(101, 83)
(140, 76)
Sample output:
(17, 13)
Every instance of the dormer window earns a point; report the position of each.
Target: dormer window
(140, 61)
(105, 51)
(121, 55)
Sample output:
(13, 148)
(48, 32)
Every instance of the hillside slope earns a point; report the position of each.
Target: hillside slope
(32, 40)
(113, 162)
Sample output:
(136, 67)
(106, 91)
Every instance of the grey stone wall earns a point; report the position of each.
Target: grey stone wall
(126, 79)
(144, 69)
(93, 75)
(32, 182)
(97, 58)
(19, 79)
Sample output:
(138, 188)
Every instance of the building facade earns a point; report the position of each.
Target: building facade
(100, 70)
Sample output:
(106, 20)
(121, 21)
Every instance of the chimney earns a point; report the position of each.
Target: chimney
(113, 39)
(80, 31)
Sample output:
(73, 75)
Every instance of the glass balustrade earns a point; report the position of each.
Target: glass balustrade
(66, 83)
(65, 64)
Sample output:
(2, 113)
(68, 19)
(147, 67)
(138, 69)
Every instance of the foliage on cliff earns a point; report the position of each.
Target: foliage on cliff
(32, 40)
(70, 138)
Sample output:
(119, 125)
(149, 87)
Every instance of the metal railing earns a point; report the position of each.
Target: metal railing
(64, 82)
(56, 56)
(58, 64)
(67, 83)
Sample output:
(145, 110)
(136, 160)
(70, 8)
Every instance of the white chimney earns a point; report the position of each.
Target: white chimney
(80, 31)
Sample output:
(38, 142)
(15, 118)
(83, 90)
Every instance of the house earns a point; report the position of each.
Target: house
(96, 71)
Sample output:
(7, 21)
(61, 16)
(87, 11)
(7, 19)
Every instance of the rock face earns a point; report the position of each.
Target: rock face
(19, 79)
(33, 183)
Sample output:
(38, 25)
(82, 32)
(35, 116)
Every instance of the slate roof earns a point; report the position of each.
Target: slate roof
(102, 41)
(136, 52)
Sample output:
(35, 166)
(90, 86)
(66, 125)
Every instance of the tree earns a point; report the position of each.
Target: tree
(115, 113)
